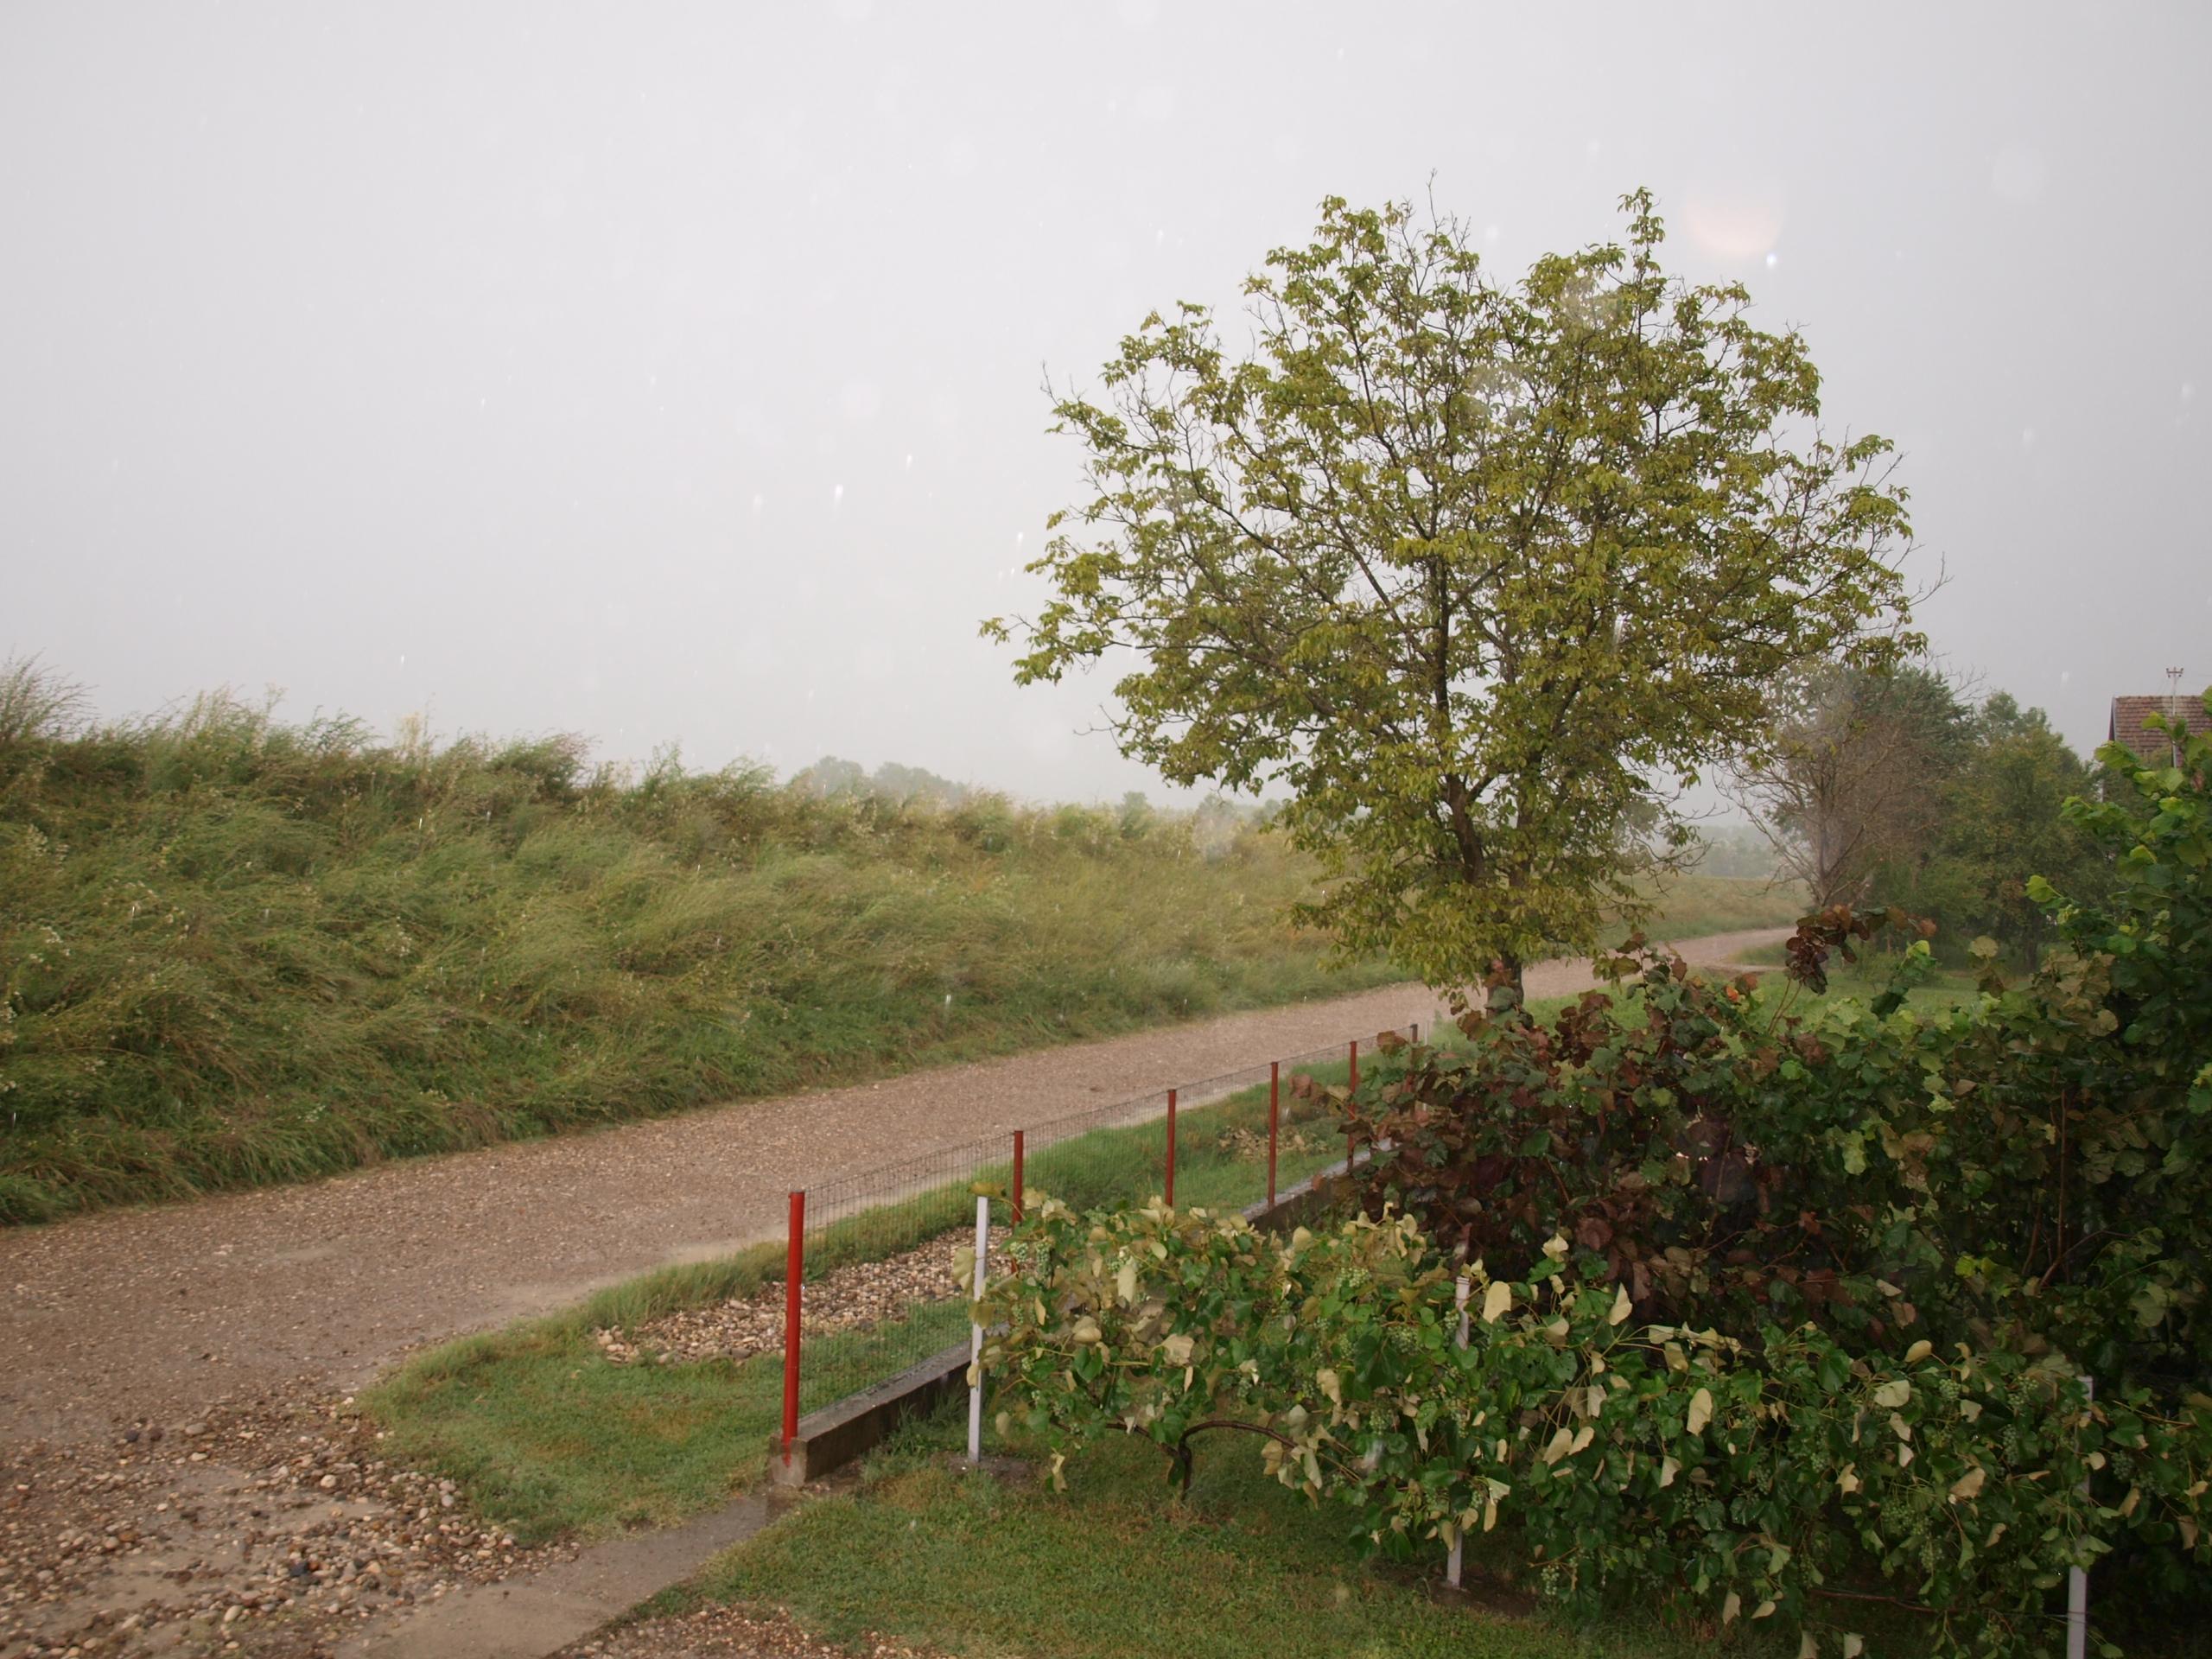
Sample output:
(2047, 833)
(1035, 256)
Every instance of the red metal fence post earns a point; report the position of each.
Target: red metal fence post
(1017, 1176)
(1171, 1148)
(1355, 1088)
(794, 1270)
(1275, 1097)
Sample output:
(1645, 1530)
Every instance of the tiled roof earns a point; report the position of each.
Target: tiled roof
(2128, 715)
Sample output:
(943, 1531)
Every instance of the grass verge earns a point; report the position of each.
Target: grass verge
(930, 1553)
(1861, 981)
(969, 1563)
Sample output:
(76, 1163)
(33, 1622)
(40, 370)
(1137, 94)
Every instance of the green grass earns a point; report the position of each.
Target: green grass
(927, 1551)
(234, 952)
(930, 1553)
(542, 1432)
(1690, 905)
(1947, 987)
(547, 1436)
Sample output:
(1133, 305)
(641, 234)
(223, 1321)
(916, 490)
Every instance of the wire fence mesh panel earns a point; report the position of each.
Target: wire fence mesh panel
(888, 1251)
(887, 1255)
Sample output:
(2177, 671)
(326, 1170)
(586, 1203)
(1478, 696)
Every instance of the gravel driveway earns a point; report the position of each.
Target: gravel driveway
(155, 1314)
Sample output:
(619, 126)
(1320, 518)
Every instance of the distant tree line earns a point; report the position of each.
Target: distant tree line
(832, 777)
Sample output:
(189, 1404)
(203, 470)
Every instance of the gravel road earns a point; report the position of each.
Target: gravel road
(156, 1314)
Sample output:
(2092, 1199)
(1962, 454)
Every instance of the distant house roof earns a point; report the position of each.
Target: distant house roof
(2128, 715)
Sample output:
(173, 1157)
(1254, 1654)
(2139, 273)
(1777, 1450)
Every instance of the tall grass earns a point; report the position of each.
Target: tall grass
(235, 951)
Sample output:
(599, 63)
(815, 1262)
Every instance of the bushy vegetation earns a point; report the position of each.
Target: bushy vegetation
(236, 951)
(1769, 1317)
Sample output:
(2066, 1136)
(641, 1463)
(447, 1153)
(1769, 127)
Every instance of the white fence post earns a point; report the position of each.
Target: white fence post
(1458, 1540)
(2077, 1581)
(975, 1334)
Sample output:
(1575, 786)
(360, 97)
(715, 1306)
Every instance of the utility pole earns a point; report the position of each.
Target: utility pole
(2174, 712)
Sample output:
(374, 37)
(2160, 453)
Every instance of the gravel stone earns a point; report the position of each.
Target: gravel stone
(856, 1297)
(730, 1633)
(121, 1547)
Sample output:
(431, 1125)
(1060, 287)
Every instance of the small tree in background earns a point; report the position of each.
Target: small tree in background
(1850, 777)
(1464, 567)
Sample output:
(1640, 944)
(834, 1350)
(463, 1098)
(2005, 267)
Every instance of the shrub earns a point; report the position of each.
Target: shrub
(1789, 1477)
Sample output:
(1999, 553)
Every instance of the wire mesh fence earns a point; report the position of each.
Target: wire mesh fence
(882, 1257)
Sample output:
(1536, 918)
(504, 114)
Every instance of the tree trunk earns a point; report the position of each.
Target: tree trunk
(1505, 989)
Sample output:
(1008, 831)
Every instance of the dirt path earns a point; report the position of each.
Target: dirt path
(154, 1314)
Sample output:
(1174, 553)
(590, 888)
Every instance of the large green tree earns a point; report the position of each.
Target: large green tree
(1475, 570)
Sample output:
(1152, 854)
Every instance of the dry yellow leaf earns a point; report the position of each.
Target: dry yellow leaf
(1700, 1410)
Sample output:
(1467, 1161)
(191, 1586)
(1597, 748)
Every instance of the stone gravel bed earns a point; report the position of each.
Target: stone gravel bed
(730, 1633)
(855, 1298)
(274, 1526)
(268, 1527)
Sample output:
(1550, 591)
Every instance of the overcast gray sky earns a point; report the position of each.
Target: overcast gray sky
(673, 372)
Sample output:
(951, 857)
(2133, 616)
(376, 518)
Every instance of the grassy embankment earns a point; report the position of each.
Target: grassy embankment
(236, 952)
